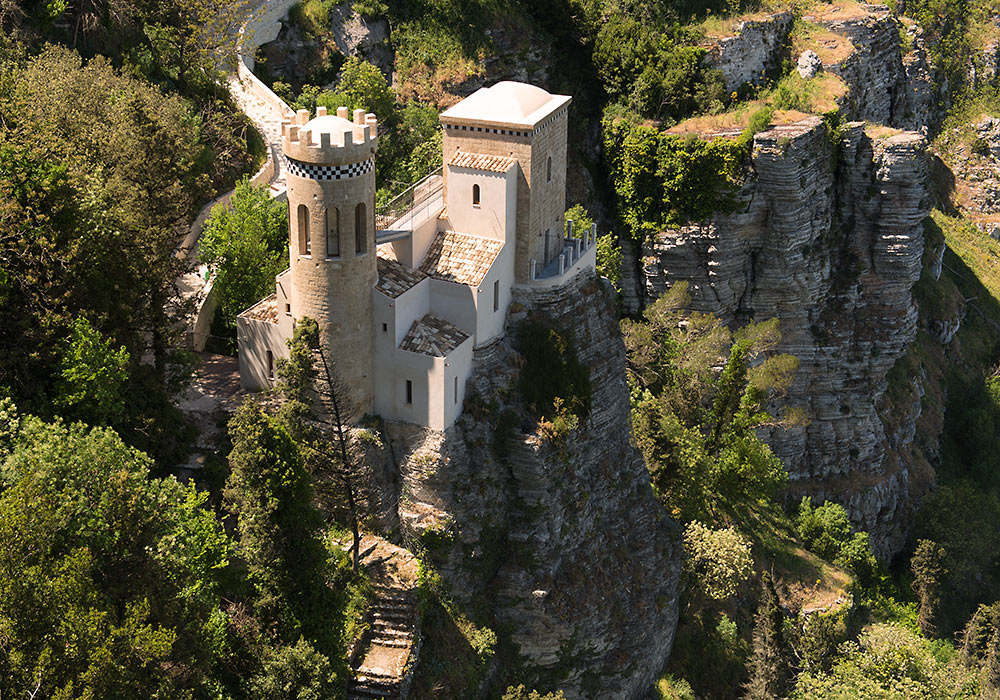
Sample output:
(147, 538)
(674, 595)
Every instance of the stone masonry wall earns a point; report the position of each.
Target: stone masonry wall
(833, 254)
(568, 542)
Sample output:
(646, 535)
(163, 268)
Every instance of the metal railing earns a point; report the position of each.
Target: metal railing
(417, 194)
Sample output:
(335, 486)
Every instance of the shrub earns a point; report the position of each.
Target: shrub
(716, 561)
(551, 371)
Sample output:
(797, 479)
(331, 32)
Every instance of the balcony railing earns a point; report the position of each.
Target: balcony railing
(419, 194)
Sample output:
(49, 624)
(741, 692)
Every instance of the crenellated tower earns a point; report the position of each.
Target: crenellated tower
(331, 201)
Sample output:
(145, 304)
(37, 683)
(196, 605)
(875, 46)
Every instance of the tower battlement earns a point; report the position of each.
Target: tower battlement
(330, 139)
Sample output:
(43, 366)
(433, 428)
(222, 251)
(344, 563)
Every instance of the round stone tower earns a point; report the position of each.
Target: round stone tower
(331, 207)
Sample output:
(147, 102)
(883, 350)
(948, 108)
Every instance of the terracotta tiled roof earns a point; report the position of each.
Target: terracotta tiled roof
(264, 310)
(478, 161)
(457, 257)
(394, 278)
(432, 335)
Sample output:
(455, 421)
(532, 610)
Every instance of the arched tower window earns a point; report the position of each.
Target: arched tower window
(548, 170)
(303, 226)
(475, 195)
(332, 232)
(360, 229)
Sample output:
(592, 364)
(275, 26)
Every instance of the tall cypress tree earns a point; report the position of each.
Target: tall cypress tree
(928, 573)
(269, 491)
(768, 664)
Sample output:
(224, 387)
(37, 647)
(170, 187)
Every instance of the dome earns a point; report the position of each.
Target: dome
(328, 124)
(507, 102)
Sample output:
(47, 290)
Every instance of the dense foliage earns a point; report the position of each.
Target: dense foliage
(245, 242)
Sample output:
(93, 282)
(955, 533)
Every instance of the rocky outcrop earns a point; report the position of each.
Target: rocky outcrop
(356, 36)
(564, 537)
(888, 82)
(833, 253)
(754, 52)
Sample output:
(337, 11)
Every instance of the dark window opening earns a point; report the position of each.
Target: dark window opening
(409, 392)
(360, 229)
(332, 232)
(270, 365)
(548, 170)
(303, 224)
(496, 295)
(288, 308)
(385, 327)
(475, 195)
(456, 389)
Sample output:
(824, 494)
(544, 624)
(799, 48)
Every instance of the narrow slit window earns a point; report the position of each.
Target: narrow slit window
(475, 195)
(456, 389)
(496, 295)
(548, 170)
(332, 232)
(360, 229)
(303, 226)
(270, 365)
(409, 392)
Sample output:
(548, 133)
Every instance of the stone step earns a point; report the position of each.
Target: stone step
(406, 632)
(393, 642)
(397, 615)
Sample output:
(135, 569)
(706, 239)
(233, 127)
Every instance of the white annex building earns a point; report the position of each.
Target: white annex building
(404, 295)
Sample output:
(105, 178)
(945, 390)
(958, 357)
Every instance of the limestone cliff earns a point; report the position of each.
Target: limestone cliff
(567, 541)
(830, 242)
(889, 81)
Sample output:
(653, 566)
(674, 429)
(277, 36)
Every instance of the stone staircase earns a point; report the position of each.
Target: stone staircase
(387, 653)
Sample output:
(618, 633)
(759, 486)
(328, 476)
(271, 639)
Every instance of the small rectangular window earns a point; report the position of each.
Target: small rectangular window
(288, 308)
(409, 392)
(385, 327)
(270, 365)
(496, 295)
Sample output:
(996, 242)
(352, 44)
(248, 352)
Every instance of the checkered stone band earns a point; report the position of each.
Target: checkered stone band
(329, 172)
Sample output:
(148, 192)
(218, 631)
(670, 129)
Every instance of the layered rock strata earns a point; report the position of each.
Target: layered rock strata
(833, 253)
(754, 52)
(887, 82)
(564, 538)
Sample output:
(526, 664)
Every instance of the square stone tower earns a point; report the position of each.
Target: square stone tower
(528, 124)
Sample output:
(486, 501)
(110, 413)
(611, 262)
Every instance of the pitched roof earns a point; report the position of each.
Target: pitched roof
(478, 161)
(264, 310)
(460, 258)
(432, 335)
(394, 278)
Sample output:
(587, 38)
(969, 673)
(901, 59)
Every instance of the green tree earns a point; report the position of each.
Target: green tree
(697, 427)
(928, 573)
(889, 662)
(106, 576)
(245, 241)
(716, 562)
(315, 411)
(294, 672)
(270, 494)
(609, 260)
(362, 86)
(768, 663)
(93, 376)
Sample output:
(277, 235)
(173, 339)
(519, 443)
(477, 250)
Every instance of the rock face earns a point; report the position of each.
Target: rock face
(886, 84)
(833, 253)
(755, 51)
(567, 539)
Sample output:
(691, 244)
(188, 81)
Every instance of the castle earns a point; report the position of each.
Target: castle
(403, 296)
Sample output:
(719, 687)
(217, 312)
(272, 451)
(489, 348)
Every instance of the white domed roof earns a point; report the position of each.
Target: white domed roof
(507, 102)
(328, 124)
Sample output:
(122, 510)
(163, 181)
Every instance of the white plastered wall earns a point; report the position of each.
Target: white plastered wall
(254, 339)
(488, 219)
